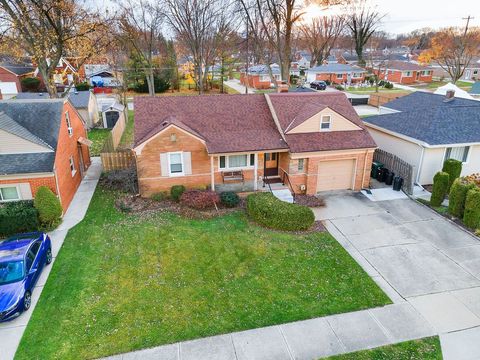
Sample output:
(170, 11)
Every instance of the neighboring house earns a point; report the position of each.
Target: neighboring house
(42, 143)
(103, 78)
(258, 76)
(8, 90)
(314, 141)
(336, 73)
(84, 102)
(66, 72)
(472, 71)
(303, 58)
(402, 72)
(425, 129)
(14, 73)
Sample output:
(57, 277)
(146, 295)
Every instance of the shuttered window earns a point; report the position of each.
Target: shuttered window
(457, 153)
(176, 163)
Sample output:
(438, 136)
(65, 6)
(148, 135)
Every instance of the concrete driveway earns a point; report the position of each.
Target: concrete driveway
(416, 256)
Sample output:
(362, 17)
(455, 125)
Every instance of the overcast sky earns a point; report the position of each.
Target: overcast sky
(407, 15)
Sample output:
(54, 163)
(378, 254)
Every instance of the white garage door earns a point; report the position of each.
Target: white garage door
(335, 175)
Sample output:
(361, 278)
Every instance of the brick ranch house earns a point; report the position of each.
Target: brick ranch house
(336, 73)
(316, 140)
(42, 143)
(15, 73)
(403, 72)
(258, 76)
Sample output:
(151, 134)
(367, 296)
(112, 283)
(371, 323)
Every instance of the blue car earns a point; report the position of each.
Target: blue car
(22, 259)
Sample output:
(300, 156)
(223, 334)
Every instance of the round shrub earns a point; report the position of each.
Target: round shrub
(271, 212)
(176, 192)
(457, 197)
(48, 207)
(471, 217)
(388, 85)
(229, 199)
(82, 86)
(440, 187)
(30, 83)
(453, 168)
(160, 196)
(17, 217)
(199, 199)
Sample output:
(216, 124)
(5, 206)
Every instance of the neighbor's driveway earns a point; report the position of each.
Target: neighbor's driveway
(417, 256)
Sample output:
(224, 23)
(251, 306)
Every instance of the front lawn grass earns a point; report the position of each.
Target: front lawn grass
(423, 349)
(97, 136)
(123, 282)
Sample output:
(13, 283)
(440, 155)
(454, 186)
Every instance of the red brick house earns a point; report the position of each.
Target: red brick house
(259, 78)
(311, 141)
(15, 73)
(42, 143)
(403, 72)
(337, 73)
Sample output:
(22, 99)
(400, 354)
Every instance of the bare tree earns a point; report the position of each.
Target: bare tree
(140, 24)
(49, 29)
(363, 21)
(320, 35)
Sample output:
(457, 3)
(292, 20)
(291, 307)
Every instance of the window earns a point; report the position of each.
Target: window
(475, 72)
(72, 166)
(9, 193)
(457, 153)
(357, 75)
(264, 78)
(236, 161)
(325, 123)
(407, 73)
(339, 76)
(175, 163)
(426, 72)
(69, 124)
(301, 164)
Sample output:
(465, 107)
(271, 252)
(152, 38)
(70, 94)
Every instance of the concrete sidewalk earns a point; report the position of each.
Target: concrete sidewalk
(11, 332)
(235, 85)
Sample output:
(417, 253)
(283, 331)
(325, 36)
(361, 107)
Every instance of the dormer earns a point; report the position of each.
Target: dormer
(324, 120)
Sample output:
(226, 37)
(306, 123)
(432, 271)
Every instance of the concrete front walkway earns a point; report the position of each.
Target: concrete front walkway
(11, 332)
(236, 85)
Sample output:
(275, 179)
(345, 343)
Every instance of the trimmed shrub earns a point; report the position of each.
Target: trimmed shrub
(48, 207)
(229, 199)
(471, 217)
(30, 83)
(198, 199)
(388, 85)
(453, 168)
(271, 212)
(457, 197)
(440, 187)
(123, 180)
(176, 192)
(17, 217)
(339, 87)
(160, 196)
(82, 86)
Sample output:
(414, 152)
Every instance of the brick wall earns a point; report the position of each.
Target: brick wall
(35, 183)
(334, 79)
(68, 146)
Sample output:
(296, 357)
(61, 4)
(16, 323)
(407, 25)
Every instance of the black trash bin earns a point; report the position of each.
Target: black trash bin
(382, 172)
(375, 166)
(389, 178)
(397, 183)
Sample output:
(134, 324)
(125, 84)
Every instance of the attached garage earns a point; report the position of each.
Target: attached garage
(335, 175)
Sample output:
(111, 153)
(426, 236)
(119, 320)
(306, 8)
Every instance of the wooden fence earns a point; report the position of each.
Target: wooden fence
(117, 160)
(378, 99)
(113, 139)
(398, 166)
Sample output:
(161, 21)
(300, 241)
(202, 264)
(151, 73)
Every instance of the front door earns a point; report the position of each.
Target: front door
(112, 118)
(467, 74)
(271, 164)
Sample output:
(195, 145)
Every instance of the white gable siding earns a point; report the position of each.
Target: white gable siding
(12, 144)
(338, 123)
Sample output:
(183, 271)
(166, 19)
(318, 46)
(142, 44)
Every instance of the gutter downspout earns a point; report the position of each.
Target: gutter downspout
(57, 186)
(420, 165)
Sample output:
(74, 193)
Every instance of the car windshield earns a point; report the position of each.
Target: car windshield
(11, 272)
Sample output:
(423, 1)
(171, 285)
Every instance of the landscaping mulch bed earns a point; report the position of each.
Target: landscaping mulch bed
(309, 200)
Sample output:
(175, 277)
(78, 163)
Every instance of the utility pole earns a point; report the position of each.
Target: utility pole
(246, 66)
(468, 18)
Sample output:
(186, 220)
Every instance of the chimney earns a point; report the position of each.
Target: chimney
(283, 87)
(449, 95)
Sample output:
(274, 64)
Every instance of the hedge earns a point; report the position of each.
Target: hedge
(471, 217)
(48, 206)
(457, 197)
(453, 168)
(440, 187)
(176, 192)
(17, 217)
(271, 212)
(229, 199)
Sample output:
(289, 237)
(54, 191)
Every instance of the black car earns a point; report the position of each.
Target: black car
(318, 85)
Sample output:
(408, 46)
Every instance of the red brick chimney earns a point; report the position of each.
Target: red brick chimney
(449, 95)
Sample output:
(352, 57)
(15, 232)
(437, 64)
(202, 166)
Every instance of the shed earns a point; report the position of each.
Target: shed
(112, 113)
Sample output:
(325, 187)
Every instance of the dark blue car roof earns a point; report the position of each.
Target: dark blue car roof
(15, 247)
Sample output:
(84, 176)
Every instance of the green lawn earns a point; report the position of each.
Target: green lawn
(98, 137)
(436, 84)
(423, 349)
(124, 282)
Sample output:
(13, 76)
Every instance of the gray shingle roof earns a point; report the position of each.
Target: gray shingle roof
(263, 69)
(79, 99)
(336, 68)
(428, 118)
(40, 118)
(26, 163)
(18, 69)
(9, 125)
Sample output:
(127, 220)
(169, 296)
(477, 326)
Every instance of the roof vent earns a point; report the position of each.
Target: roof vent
(165, 123)
(449, 96)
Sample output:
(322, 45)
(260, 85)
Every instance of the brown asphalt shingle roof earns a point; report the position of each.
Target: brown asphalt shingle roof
(228, 123)
(240, 123)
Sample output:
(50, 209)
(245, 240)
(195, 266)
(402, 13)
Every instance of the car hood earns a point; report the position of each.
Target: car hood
(9, 294)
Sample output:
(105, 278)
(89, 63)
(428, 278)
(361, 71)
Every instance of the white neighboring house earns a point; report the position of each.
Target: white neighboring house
(8, 90)
(459, 93)
(425, 129)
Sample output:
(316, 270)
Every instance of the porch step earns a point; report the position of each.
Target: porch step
(283, 194)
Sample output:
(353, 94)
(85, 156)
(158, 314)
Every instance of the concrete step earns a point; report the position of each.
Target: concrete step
(283, 194)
